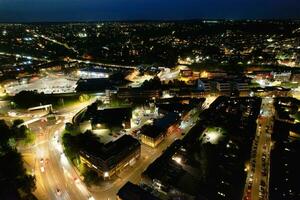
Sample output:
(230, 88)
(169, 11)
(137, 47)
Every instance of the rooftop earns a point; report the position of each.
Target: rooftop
(131, 191)
(118, 148)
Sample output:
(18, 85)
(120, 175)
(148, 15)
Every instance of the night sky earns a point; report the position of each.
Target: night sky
(93, 10)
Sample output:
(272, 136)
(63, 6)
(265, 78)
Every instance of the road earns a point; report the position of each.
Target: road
(54, 171)
(257, 182)
(56, 177)
(35, 34)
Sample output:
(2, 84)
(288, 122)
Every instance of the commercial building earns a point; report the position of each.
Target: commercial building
(242, 86)
(282, 76)
(93, 72)
(203, 85)
(110, 158)
(137, 93)
(223, 86)
(152, 135)
(186, 73)
(216, 74)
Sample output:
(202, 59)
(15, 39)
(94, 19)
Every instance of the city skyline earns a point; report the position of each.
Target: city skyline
(149, 99)
(122, 10)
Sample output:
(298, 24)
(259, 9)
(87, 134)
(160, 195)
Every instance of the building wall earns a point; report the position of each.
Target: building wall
(223, 86)
(106, 174)
(152, 142)
(131, 93)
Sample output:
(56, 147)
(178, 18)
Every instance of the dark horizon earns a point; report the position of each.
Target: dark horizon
(125, 10)
(152, 20)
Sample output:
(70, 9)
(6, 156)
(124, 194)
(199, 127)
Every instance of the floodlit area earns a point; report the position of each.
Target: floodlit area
(106, 135)
(212, 135)
(143, 115)
(167, 74)
(47, 85)
(138, 80)
(296, 93)
(2, 91)
(265, 83)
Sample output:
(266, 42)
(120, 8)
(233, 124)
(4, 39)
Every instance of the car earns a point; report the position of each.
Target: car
(76, 180)
(250, 180)
(261, 188)
(91, 198)
(249, 187)
(42, 169)
(58, 191)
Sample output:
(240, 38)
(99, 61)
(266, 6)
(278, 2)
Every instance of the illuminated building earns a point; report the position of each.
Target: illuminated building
(203, 85)
(109, 159)
(136, 93)
(152, 135)
(223, 86)
(93, 72)
(186, 73)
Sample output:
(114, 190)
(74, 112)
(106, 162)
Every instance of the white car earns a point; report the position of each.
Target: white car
(42, 169)
(91, 198)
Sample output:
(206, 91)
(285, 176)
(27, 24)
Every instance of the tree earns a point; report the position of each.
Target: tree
(22, 133)
(27, 184)
(70, 146)
(5, 134)
(90, 176)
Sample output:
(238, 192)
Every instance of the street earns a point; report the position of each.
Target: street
(57, 178)
(257, 182)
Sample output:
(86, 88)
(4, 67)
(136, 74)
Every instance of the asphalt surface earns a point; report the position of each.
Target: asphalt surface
(57, 178)
(257, 183)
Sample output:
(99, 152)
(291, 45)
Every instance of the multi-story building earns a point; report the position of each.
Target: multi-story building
(282, 76)
(203, 85)
(186, 73)
(109, 159)
(129, 93)
(223, 86)
(242, 86)
(93, 72)
(152, 135)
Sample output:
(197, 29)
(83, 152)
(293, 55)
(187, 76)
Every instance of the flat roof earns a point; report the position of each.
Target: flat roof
(131, 191)
(120, 147)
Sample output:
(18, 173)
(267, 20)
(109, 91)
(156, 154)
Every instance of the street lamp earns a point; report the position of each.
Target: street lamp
(106, 174)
